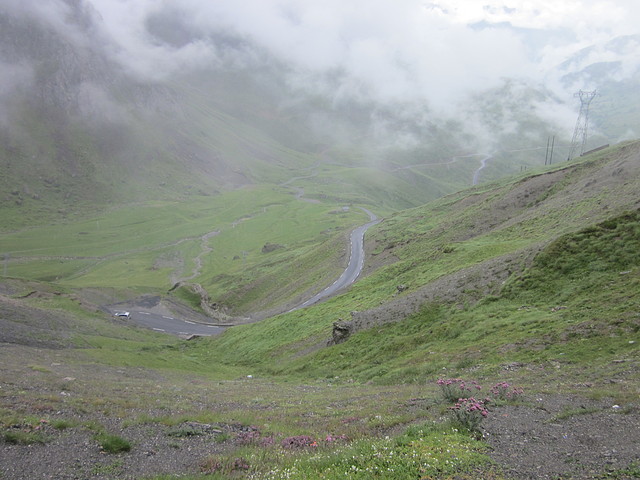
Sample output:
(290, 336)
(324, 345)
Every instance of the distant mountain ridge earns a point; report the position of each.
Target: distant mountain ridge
(77, 128)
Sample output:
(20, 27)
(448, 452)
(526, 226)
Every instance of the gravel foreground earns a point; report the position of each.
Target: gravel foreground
(565, 437)
(548, 437)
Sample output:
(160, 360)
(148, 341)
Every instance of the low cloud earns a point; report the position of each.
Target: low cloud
(396, 51)
(438, 51)
(16, 78)
(433, 54)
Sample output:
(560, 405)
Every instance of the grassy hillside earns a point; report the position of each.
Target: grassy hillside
(531, 281)
(470, 268)
(81, 135)
(218, 241)
(233, 182)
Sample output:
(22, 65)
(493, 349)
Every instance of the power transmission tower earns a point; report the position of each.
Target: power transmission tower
(580, 132)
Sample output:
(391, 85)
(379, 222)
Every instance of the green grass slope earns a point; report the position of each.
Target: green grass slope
(532, 280)
(538, 270)
(218, 241)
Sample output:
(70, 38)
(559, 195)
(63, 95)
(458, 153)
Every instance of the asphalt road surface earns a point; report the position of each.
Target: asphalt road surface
(171, 325)
(354, 267)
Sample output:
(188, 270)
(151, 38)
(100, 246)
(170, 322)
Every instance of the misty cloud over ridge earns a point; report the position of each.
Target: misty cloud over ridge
(393, 51)
(416, 59)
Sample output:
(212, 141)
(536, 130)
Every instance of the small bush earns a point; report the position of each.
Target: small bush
(61, 424)
(221, 437)
(455, 388)
(469, 412)
(19, 437)
(113, 443)
(254, 438)
(504, 391)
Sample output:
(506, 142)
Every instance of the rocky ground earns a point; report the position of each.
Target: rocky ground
(529, 442)
(560, 436)
(75, 454)
(542, 437)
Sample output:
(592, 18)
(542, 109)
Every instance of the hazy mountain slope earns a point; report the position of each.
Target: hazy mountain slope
(477, 239)
(79, 127)
(441, 265)
(78, 130)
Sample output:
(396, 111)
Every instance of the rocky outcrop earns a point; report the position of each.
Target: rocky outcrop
(271, 247)
(212, 309)
(341, 331)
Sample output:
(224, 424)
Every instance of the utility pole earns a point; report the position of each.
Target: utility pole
(580, 132)
(546, 153)
(548, 157)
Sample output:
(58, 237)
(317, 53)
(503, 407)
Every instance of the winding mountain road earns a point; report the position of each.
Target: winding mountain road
(176, 326)
(354, 267)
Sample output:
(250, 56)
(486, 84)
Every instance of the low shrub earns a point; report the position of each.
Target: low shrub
(455, 388)
(467, 410)
(62, 424)
(505, 391)
(113, 443)
(470, 412)
(19, 437)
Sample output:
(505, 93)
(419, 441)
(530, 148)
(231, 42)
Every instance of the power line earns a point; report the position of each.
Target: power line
(582, 124)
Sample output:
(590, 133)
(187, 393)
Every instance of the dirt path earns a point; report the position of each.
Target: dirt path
(205, 250)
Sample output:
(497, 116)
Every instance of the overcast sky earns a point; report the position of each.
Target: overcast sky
(423, 51)
(392, 49)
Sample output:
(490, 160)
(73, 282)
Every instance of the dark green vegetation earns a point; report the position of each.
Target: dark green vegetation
(113, 443)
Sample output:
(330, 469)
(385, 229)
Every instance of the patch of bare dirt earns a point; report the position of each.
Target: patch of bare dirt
(561, 436)
(25, 325)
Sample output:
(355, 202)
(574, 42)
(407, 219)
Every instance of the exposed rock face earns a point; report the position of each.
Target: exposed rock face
(271, 247)
(341, 331)
(212, 309)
